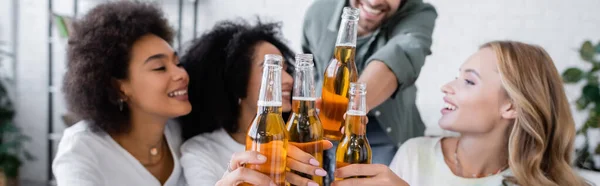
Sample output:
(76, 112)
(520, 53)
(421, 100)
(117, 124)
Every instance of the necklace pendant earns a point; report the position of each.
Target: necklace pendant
(153, 151)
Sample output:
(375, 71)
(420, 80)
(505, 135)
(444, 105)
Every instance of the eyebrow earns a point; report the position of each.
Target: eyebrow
(158, 56)
(472, 71)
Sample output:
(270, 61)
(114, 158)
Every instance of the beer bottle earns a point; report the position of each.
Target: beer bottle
(354, 147)
(340, 72)
(267, 134)
(304, 126)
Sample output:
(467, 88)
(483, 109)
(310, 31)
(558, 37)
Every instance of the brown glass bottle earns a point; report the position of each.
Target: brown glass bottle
(354, 147)
(267, 134)
(340, 72)
(304, 127)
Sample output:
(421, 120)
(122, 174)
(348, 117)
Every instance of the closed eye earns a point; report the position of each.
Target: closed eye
(469, 82)
(163, 68)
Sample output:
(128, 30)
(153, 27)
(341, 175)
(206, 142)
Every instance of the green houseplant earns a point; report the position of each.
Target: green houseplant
(588, 157)
(12, 153)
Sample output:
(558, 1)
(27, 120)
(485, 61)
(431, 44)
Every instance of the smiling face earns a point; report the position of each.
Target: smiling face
(475, 101)
(374, 12)
(156, 82)
(256, 71)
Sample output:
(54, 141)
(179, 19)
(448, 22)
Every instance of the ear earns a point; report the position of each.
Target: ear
(124, 88)
(508, 111)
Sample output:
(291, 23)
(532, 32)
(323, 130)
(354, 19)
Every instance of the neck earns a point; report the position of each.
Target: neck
(243, 122)
(482, 154)
(146, 132)
(360, 31)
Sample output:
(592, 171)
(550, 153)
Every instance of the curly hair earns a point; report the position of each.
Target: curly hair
(98, 54)
(219, 64)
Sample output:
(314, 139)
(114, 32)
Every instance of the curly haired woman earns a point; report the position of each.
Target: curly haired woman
(225, 67)
(125, 81)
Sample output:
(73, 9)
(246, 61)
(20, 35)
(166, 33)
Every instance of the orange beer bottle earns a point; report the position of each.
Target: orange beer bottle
(354, 147)
(340, 72)
(304, 127)
(267, 134)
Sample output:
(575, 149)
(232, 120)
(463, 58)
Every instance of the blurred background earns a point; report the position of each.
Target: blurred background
(33, 36)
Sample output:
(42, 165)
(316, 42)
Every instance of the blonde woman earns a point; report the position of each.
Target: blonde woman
(516, 128)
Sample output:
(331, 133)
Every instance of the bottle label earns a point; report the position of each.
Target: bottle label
(269, 103)
(304, 99)
(356, 113)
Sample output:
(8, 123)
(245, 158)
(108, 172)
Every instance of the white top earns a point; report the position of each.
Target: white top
(420, 161)
(205, 157)
(95, 159)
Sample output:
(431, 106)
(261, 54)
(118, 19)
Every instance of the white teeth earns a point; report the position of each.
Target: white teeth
(371, 10)
(449, 107)
(285, 93)
(178, 93)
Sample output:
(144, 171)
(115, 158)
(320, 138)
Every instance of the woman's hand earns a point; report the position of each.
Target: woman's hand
(297, 160)
(237, 173)
(377, 175)
(303, 162)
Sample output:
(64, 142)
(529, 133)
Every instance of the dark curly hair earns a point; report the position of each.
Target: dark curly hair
(98, 54)
(218, 64)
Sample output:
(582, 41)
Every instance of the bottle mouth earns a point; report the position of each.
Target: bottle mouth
(358, 88)
(350, 13)
(304, 57)
(272, 59)
(304, 61)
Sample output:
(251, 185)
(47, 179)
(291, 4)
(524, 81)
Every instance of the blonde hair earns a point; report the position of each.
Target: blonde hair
(541, 141)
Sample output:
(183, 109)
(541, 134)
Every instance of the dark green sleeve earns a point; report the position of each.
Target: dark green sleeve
(409, 44)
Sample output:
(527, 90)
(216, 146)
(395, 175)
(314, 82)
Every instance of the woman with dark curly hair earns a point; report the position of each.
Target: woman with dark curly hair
(125, 81)
(225, 67)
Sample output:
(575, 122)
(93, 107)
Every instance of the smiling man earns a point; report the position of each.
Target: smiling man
(394, 37)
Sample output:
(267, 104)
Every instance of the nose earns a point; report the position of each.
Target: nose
(447, 88)
(179, 74)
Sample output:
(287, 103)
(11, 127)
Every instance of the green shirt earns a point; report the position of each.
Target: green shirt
(402, 43)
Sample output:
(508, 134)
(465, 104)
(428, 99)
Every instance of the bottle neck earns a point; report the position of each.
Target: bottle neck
(345, 55)
(357, 110)
(269, 97)
(269, 109)
(347, 32)
(355, 125)
(304, 83)
(302, 105)
(304, 97)
(357, 104)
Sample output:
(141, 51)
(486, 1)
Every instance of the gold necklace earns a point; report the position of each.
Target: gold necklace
(155, 151)
(459, 170)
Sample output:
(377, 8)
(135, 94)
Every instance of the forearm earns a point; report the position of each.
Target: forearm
(381, 83)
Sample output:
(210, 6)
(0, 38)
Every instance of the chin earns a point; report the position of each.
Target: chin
(182, 110)
(286, 107)
(445, 124)
(369, 25)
